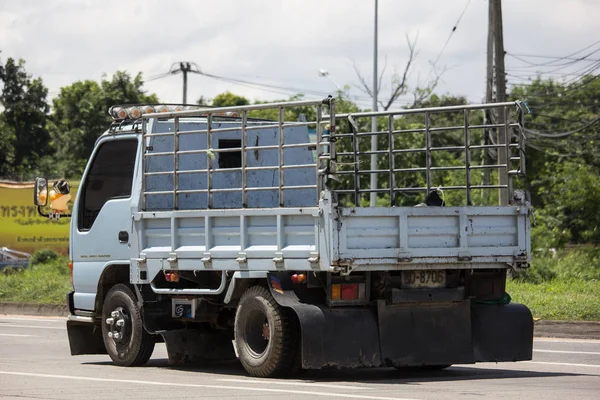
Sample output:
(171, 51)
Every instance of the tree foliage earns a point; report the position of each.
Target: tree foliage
(563, 130)
(563, 158)
(23, 135)
(80, 116)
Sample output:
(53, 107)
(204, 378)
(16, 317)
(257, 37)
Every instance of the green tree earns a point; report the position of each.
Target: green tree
(563, 157)
(80, 116)
(24, 137)
(228, 99)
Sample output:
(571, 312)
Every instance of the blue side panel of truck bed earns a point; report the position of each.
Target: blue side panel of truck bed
(230, 179)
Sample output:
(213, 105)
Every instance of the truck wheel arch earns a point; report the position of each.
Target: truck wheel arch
(113, 273)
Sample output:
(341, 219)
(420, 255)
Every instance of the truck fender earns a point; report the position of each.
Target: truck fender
(114, 272)
(324, 338)
(236, 289)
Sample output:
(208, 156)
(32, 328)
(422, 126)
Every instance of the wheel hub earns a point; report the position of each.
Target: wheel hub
(118, 325)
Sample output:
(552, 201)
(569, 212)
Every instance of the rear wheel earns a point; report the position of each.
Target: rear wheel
(126, 341)
(266, 334)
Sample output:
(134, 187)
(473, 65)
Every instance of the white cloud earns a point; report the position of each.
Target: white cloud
(282, 42)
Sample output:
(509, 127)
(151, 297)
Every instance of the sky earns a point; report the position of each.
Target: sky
(285, 43)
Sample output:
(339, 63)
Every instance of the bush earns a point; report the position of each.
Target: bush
(44, 256)
(42, 283)
(576, 263)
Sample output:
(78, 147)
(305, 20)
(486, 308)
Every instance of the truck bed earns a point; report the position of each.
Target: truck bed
(380, 238)
(425, 237)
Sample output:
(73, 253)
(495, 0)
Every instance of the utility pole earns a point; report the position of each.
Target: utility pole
(496, 74)
(486, 159)
(373, 197)
(501, 97)
(184, 67)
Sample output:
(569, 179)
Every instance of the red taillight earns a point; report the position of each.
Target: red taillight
(298, 278)
(349, 291)
(171, 276)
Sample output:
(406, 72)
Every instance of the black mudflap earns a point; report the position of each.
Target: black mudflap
(502, 332)
(335, 338)
(185, 346)
(85, 338)
(425, 334)
(403, 335)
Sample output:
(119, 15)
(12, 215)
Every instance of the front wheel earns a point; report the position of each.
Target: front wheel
(266, 334)
(126, 341)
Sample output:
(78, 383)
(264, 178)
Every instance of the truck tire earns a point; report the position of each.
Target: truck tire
(265, 334)
(126, 341)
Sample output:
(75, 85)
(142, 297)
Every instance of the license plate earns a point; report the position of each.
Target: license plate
(424, 279)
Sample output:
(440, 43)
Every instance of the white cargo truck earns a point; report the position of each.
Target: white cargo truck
(227, 234)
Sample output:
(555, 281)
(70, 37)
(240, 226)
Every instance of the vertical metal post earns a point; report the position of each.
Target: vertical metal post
(209, 160)
(145, 139)
(373, 196)
(506, 142)
(244, 159)
(468, 157)
(428, 150)
(280, 149)
(332, 138)
(176, 164)
(392, 162)
(185, 71)
(319, 128)
(522, 163)
(355, 150)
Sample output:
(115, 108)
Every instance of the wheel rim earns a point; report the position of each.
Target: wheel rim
(257, 332)
(119, 326)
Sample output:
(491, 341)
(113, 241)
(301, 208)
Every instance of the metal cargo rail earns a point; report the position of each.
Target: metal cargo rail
(340, 165)
(509, 145)
(244, 125)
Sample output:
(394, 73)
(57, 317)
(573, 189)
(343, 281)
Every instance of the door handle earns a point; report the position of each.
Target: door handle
(123, 237)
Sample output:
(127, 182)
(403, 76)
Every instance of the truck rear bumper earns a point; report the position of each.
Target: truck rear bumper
(415, 335)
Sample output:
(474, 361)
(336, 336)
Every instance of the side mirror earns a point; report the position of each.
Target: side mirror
(40, 192)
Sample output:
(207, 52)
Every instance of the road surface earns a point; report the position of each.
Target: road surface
(35, 364)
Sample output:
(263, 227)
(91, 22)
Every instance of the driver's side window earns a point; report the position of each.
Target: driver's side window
(110, 177)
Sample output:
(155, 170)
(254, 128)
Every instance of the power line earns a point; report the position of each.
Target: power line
(434, 64)
(553, 57)
(554, 63)
(563, 134)
(279, 89)
(557, 58)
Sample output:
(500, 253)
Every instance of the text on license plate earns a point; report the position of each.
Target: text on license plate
(424, 279)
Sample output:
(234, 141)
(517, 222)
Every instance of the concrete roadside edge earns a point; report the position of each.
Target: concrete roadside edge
(40, 310)
(542, 328)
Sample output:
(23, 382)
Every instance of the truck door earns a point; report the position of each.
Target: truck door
(102, 225)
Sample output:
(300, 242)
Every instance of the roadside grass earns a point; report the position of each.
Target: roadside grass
(559, 299)
(46, 283)
(561, 286)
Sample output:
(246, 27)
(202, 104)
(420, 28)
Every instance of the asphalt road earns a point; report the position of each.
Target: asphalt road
(35, 364)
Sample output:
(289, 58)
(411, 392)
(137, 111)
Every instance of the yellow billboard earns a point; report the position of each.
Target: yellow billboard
(22, 228)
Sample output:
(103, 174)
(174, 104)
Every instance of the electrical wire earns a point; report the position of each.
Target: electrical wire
(434, 64)
(558, 58)
(563, 134)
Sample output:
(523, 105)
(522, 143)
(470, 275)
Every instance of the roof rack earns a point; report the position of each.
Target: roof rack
(132, 112)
